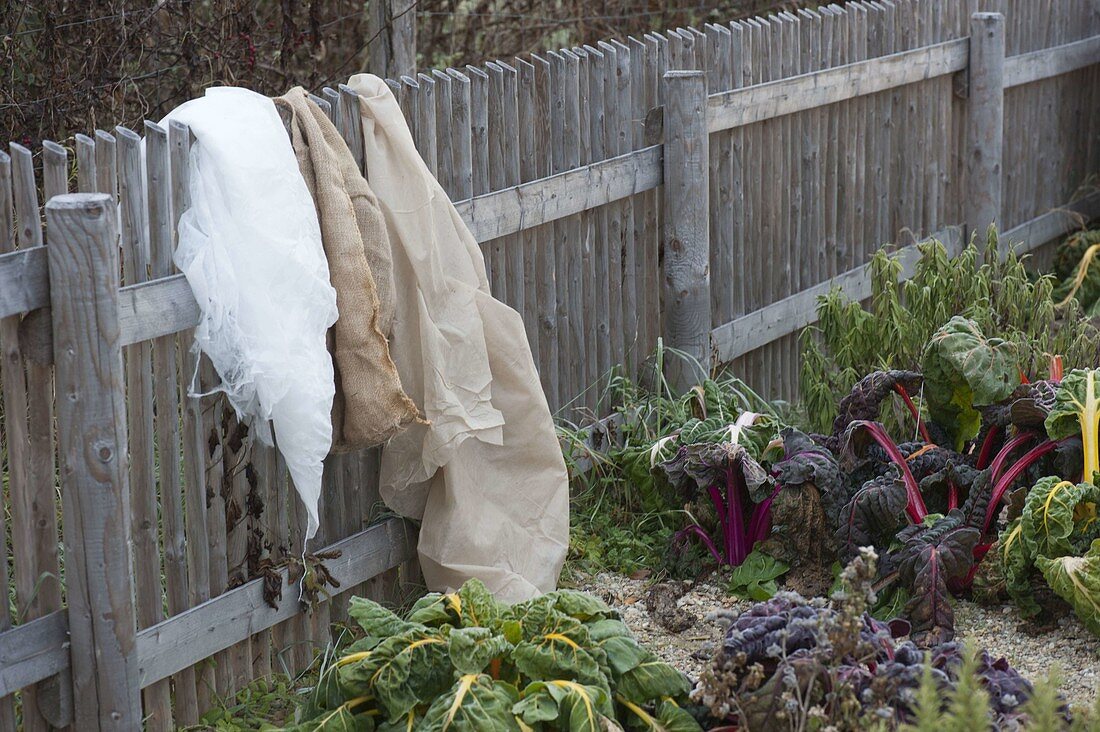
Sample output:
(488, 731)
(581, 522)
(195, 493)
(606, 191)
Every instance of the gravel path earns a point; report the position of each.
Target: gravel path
(1068, 646)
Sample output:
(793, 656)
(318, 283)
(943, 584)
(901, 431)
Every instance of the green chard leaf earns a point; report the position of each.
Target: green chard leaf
(402, 672)
(962, 370)
(668, 718)
(570, 705)
(1017, 566)
(377, 622)
(580, 605)
(755, 577)
(476, 703)
(477, 606)
(436, 609)
(562, 652)
(651, 681)
(1077, 412)
(471, 649)
(1059, 517)
(622, 650)
(352, 716)
(1077, 581)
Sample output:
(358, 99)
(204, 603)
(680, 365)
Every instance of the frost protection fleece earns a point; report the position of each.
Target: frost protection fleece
(250, 247)
(486, 476)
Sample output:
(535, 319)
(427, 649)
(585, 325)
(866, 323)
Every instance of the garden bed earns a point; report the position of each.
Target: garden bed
(1065, 646)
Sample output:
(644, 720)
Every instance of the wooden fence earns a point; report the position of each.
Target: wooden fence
(615, 201)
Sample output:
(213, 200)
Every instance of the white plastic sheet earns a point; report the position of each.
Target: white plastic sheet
(250, 247)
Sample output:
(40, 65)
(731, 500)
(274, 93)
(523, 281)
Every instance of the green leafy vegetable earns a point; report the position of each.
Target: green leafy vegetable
(964, 369)
(1059, 517)
(1077, 411)
(755, 577)
(463, 662)
(1077, 581)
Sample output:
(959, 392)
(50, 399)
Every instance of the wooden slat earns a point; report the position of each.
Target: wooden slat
(793, 313)
(34, 515)
(10, 375)
(528, 126)
(38, 649)
(497, 137)
(807, 91)
(616, 77)
(238, 613)
(1049, 62)
(461, 151)
(586, 242)
(144, 520)
(85, 163)
(24, 273)
(157, 308)
(547, 288)
(83, 256)
(1047, 227)
(565, 194)
(510, 160)
(33, 651)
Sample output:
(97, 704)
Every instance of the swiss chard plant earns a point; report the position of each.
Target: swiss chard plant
(785, 488)
(1057, 532)
(464, 662)
(979, 433)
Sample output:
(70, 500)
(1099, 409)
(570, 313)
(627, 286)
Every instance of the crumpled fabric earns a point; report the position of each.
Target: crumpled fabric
(369, 406)
(486, 476)
(250, 247)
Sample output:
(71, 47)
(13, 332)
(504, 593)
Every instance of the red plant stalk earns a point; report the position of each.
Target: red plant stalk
(760, 523)
(915, 412)
(1002, 455)
(1030, 457)
(986, 453)
(1056, 368)
(701, 534)
(915, 509)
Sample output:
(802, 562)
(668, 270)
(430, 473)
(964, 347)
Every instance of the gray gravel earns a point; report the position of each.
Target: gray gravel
(1069, 646)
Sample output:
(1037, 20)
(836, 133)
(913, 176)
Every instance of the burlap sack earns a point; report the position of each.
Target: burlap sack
(370, 405)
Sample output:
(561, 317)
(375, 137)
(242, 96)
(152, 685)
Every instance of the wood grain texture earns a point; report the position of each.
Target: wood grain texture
(984, 123)
(84, 268)
(10, 376)
(33, 652)
(144, 519)
(806, 91)
(686, 276)
(235, 615)
(1045, 63)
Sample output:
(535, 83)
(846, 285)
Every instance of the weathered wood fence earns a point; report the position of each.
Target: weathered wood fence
(615, 201)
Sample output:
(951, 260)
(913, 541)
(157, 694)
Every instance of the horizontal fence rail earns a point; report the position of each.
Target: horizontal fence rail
(614, 202)
(802, 93)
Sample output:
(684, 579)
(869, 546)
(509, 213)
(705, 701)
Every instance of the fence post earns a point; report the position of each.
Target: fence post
(91, 425)
(686, 270)
(392, 38)
(985, 123)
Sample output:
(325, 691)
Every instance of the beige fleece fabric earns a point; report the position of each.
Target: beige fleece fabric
(486, 475)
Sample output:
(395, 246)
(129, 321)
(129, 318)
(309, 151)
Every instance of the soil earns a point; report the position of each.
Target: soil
(678, 630)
